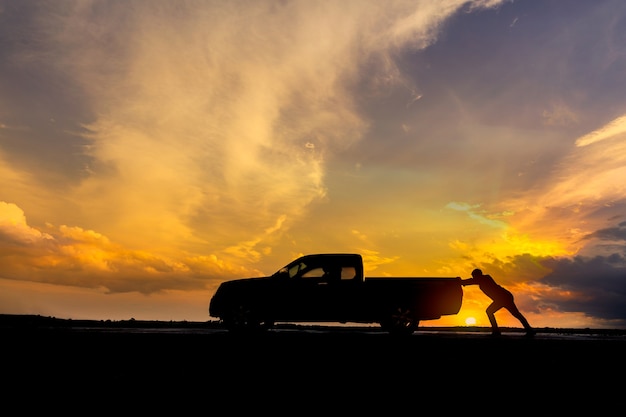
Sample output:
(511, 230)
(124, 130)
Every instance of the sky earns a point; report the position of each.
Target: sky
(151, 150)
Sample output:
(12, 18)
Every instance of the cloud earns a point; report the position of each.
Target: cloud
(209, 122)
(201, 131)
(205, 129)
(612, 234)
(613, 128)
(13, 227)
(70, 255)
(559, 115)
(583, 190)
(476, 215)
(597, 286)
(372, 260)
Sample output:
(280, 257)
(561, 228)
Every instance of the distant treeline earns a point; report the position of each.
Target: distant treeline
(18, 321)
(37, 321)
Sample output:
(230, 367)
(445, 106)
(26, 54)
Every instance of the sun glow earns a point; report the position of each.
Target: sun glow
(470, 321)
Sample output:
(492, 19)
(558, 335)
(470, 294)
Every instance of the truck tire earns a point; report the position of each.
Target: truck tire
(243, 319)
(401, 321)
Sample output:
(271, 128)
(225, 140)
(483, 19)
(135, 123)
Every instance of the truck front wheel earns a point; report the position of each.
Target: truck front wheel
(243, 319)
(401, 321)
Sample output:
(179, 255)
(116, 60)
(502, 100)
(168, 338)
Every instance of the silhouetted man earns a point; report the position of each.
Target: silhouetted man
(502, 298)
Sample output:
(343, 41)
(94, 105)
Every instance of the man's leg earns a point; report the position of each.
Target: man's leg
(491, 310)
(518, 315)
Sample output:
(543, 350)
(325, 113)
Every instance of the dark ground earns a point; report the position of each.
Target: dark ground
(185, 367)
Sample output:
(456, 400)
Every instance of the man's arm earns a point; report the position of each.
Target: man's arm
(469, 281)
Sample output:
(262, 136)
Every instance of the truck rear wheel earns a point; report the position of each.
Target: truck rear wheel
(401, 321)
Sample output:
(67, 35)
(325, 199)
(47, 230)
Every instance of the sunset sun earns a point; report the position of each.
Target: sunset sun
(470, 321)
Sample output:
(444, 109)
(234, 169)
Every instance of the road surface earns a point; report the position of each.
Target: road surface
(182, 370)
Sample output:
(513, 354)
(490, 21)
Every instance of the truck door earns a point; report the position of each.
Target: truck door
(301, 296)
(334, 292)
(317, 292)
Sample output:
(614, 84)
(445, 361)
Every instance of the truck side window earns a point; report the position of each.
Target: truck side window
(348, 273)
(313, 273)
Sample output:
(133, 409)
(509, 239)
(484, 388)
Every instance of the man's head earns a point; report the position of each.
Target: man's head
(477, 273)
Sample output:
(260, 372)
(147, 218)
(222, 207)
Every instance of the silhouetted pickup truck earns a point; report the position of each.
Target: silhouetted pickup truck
(331, 288)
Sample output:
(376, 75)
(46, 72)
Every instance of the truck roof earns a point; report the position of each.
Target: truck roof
(337, 256)
(344, 259)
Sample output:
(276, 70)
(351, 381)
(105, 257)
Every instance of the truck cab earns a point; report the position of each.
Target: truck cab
(324, 267)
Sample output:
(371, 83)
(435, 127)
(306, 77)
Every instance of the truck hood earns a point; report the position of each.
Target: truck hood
(229, 290)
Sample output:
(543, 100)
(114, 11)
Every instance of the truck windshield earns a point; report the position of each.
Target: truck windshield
(295, 269)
